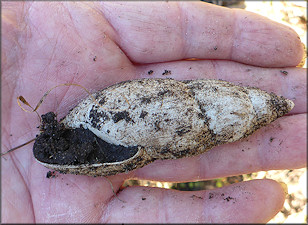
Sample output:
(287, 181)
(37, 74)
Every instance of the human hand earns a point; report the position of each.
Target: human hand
(97, 44)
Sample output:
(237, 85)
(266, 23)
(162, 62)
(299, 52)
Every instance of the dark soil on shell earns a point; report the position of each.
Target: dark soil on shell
(59, 145)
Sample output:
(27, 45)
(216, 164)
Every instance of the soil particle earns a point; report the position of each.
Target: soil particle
(196, 197)
(228, 198)
(161, 93)
(157, 126)
(211, 195)
(143, 114)
(166, 72)
(102, 100)
(96, 116)
(183, 130)
(145, 100)
(51, 174)
(124, 115)
(284, 72)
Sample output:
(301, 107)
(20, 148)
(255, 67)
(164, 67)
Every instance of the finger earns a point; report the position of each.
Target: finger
(289, 82)
(280, 145)
(167, 31)
(247, 202)
(66, 198)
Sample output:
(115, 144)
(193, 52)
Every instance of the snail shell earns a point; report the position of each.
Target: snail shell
(130, 124)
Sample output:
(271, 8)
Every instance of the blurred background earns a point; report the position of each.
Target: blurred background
(293, 14)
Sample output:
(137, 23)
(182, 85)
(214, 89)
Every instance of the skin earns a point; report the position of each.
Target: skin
(98, 44)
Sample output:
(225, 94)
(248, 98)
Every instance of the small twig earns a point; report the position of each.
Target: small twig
(115, 195)
(2, 154)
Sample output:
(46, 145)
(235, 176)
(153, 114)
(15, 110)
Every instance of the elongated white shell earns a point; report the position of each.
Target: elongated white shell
(169, 119)
(156, 112)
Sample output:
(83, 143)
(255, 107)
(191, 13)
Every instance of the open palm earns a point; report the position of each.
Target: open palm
(98, 44)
